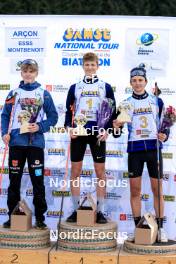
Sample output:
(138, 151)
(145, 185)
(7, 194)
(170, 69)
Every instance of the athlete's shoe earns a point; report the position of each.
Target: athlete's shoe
(72, 218)
(101, 219)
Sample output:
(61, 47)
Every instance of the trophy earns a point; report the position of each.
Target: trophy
(124, 109)
(80, 121)
(24, 118)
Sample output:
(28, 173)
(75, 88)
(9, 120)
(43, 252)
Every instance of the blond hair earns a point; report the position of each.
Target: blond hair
(90, 56)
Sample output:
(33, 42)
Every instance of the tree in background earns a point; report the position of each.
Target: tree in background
(90, 7)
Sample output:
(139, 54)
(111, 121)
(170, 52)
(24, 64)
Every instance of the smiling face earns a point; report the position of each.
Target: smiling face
(29, 75)
(90, 67)
(138, 84)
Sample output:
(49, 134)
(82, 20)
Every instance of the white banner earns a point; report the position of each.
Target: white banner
(58, 44)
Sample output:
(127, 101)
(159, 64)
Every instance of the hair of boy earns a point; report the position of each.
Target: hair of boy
(29, 64)
(90, 56)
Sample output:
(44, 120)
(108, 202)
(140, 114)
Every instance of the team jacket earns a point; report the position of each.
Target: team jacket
(143, 128)
(86, 98)
(35, 101)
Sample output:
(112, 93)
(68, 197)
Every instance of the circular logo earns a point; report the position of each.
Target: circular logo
(147, 39)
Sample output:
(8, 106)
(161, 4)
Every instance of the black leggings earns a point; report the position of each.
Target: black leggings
(78, 148)
(136, 162)
(35, 158)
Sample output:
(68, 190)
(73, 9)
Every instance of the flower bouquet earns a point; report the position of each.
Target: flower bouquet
(169, 119)
(104, 113)
(29, 113)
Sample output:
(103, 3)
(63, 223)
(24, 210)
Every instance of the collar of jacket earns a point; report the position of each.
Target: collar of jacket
(140, 96)
(29, 86)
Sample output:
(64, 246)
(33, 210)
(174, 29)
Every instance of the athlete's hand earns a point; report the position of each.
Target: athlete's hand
(71, 133)
(33, 127)
(6, 139)
(117, 124)
(102, 136)
(162, 137)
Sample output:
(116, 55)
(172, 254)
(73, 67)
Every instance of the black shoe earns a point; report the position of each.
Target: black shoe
(101, 219)
(72, 218)
(6, 224)
(40, 225)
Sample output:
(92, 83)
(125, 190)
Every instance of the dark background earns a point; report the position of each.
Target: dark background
(90, 7)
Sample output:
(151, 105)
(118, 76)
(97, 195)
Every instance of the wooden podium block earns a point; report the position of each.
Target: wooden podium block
(126, 258)
(65, 257)
(22, 256)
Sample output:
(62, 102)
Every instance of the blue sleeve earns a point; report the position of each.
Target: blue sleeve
(51, 114)
(5, 116)
(110, 94)
(161, 106)
(69, 102)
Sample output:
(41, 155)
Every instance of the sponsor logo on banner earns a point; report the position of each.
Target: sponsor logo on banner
(126, 217)
(167, 155)
(5, 87)
(56, 193)
(25, 40)
(86, 173)
(169, 198)
(147, 39)
(54, 172)
(114, 153)
(145, 42)
(56, 151)
(167, 91)
(3, 211)
(56, 88)
(54, 213)
(151, 44)
(123, 217)
(145, 197)
(75, 42)
(47, 172)
(112, 195)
